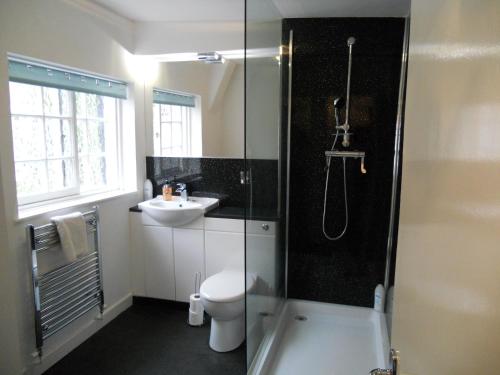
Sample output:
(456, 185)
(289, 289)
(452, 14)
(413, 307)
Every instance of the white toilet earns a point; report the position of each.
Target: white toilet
(223, 297)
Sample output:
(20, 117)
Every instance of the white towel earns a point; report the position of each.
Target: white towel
(72, 230)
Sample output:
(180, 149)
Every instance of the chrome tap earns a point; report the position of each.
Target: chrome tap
(182, 190)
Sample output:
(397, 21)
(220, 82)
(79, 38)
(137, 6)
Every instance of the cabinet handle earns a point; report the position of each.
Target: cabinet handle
(265, 227)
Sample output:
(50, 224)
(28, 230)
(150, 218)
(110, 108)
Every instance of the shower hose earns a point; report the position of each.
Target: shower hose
(339, 236)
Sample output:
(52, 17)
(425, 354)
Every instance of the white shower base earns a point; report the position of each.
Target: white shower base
(334, 340)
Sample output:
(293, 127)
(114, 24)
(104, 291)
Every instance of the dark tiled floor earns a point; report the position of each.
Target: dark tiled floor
(150, 338)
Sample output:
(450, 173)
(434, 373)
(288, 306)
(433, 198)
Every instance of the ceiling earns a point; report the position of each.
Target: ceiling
(176, 10)
(233, 10)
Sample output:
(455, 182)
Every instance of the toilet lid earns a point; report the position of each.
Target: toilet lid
(226, 286)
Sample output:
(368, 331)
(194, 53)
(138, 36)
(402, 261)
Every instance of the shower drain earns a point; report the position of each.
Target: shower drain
(265, 314)
(301, 318)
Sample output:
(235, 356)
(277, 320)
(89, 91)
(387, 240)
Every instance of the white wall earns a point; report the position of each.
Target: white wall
(233, 117)
(447, 296)
(10, 357)
(156, 38)
(58, 32)
(263, 108)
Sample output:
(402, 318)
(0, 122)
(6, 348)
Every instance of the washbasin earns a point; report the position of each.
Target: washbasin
(177, 211)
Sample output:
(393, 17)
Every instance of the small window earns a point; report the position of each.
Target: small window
(175, 133)
(66, 142)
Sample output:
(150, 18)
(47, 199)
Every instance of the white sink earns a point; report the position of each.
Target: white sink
(177, 212)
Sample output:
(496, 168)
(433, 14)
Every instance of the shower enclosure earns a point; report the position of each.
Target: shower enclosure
(331, 239)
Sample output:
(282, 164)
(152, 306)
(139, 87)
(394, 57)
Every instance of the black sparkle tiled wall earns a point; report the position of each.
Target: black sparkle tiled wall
(344, 271)
(220, 177)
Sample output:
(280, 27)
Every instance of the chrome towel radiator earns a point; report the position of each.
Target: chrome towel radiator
(66, 293)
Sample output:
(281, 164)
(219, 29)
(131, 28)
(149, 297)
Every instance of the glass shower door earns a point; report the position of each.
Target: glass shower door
(264, 249)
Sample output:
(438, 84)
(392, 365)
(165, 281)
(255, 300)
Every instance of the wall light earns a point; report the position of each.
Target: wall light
(143, 68)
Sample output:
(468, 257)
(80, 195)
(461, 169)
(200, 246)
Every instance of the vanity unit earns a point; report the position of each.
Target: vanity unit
(166, 259)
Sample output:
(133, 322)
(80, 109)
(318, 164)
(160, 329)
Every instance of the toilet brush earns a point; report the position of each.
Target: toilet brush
(196, 310)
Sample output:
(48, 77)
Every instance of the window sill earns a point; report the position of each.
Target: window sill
(30, 212)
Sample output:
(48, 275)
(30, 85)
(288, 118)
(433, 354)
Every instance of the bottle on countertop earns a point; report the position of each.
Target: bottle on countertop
(379, 301)
(167, 191)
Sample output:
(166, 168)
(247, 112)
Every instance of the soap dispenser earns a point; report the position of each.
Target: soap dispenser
(148, 190)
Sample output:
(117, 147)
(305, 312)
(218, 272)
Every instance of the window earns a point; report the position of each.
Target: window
(175, 133)
(66, 142)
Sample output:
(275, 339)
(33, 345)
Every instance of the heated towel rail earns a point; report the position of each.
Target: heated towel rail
(66, 293)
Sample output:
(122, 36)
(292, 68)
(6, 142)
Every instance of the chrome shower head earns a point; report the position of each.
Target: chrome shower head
(339, 102)
(351, 41)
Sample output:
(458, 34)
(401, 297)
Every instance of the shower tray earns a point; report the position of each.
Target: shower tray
(322, 338)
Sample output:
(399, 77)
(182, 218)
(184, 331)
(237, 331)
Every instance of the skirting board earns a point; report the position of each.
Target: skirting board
(55, 354)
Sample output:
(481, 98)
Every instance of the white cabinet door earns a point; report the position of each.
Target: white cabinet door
(223, 249)
(159, 262)
(189, 259)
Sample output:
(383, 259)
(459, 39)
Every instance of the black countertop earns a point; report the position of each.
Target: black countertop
(235, 213)
(239, 213)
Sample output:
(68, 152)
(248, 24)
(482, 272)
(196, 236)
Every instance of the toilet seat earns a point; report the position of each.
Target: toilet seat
(226, 286)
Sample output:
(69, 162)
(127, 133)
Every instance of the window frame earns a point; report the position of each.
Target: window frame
(34, 200)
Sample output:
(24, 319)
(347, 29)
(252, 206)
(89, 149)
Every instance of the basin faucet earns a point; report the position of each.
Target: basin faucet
(182, 189)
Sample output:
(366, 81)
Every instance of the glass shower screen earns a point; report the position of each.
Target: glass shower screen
(264, 249)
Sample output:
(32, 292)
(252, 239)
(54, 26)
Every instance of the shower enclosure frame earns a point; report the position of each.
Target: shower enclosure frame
(396, 171)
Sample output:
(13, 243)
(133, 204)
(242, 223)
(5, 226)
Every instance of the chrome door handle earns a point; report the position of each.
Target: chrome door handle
(265, 227)
(395, 358)
(395, 365)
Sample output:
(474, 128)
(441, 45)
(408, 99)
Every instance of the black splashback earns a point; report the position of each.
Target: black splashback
(344, 271)
(216, 176)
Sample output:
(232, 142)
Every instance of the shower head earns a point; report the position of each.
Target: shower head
(351, 41)
(339, 102)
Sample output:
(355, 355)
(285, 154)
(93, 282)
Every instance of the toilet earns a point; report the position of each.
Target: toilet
(223, 297)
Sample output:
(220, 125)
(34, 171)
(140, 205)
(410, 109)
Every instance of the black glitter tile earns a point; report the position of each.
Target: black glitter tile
(217, 177)
(344, 271)
(201, 175)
